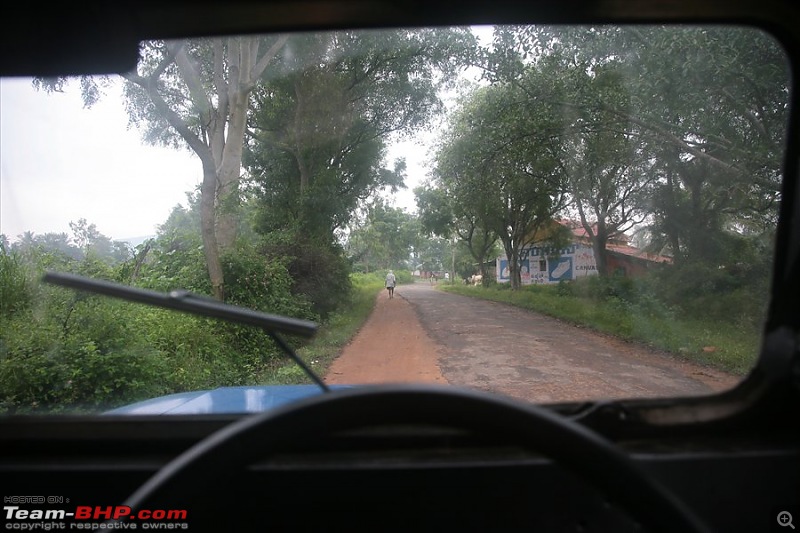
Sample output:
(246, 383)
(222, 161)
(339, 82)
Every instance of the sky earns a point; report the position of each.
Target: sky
(58, 158)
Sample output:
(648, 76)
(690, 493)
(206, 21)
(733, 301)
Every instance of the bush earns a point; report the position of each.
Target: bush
(263, 283)
(320, 272)
(16, 284)
(565, 288)
(173, 263)
(601, 288)
(81, 353)
(704, 291)
(362, 279)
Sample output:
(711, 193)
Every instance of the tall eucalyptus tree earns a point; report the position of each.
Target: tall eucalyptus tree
(196, 93)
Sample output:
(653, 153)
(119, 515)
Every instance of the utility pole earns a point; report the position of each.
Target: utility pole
(453, 262)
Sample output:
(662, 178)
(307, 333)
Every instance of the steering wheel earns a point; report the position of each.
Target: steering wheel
(570, 444)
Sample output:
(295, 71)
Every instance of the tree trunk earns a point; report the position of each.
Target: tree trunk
(513, 267)
(599, 243)
(140, 259)
(512, 253)
(598, 235)
(209, 234)
(230, 171)
(673, 236)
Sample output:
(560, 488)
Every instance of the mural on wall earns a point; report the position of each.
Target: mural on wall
(550, 265)
(585, 264)
(561, 269)
(505, 274)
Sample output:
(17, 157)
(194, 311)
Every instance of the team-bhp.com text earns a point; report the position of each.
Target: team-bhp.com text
(85, 517)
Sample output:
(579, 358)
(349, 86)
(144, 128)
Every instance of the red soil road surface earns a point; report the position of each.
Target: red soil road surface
(424, 335)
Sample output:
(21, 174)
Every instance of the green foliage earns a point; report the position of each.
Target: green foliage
(175, 259)
(261, 280)
(198, 352)
(724, 293)
(75, 354)
(501, 160)
(436, 215)
(337, 331)
(685, 135)
(16, 286)
(362, 280)
(322, 121)
(383, 239)
(639, 317)
(403, 277)
(71, 351)
(317, 271)
(86, 242)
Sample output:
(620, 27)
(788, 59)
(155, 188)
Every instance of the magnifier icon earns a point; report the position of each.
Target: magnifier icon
(785, 519)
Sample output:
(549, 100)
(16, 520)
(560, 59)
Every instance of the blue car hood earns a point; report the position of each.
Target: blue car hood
(224, 400)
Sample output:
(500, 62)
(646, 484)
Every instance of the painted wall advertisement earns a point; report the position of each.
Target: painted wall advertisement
(548, 265)
(504, 274)
(584, 262)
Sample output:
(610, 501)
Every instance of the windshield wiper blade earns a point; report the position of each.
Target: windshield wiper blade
(195, 304)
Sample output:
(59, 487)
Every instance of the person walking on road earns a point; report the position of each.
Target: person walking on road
(391, 281)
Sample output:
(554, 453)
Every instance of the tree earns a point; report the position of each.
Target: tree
(429, 253)
(501, 158)
(441, 214)
(707, 105)
(383, 238)
(196, 93)
(322, 124)
(610, 173)
(174, 258)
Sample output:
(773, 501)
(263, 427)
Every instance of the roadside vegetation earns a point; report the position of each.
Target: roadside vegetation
(682, 140)
(723, 332)
(336, 332)
(65, 351)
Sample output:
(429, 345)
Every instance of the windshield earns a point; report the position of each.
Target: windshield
(556, 214)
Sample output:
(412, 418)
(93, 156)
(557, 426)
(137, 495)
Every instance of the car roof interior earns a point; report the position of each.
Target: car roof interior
(733, 458)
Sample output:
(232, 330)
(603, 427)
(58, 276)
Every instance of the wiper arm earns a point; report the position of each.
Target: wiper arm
(195, 304)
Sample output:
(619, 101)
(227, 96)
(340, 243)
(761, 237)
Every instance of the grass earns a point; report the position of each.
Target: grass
(728, 346)
(731, 347)
(331, 337)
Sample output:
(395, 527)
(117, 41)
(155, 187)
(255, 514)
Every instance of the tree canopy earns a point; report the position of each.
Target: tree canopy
(676, 130)
(322, 123)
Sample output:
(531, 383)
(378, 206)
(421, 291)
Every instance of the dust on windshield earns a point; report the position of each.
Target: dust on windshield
(621, 181)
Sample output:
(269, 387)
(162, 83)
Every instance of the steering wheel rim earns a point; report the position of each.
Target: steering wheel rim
(570, 444)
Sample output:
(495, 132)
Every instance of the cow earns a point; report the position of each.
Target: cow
(476, 279)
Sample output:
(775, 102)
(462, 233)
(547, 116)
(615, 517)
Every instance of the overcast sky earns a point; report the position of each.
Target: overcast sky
(58, 159)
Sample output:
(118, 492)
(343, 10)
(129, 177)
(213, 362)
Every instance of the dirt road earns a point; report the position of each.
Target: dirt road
(427, 335)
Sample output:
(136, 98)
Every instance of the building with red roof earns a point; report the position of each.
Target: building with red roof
(545, 264)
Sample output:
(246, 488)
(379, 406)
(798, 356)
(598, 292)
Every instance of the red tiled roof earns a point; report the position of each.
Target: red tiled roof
(637, 253)
(618, 244)
(580, 232)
